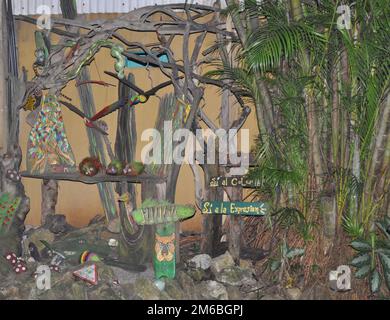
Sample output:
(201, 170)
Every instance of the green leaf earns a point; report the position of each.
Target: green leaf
(375, 281)
(385, 260)
(387, 278)
(362, 272)
(361, 259)
(361, 246)
(296, 252)
(382, 227)
(275, 265)
(384, 251)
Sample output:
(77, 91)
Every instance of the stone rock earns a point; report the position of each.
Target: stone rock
(234, 293)
(128, 291)
(102, 292)
(41, 234)
(125, 276)
(173, 289)
(255, 288)
(51, 295)
(57, 224)
(5, 267)
(200, 261)
(212, 290)
(272, 297)
(146, 290)
(246, 264)
(317, 292)
(187, 285)
(293, 293)
(78, 291)
(197, 274)
(10, 292)
(105, 272)
(236, 276)
(221, 262)
(254, 295)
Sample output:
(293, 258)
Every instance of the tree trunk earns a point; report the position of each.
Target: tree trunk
(264, 107)
(235, 226)
(13, 201)
(12, 192)
(379, 154)
(211, 224)
(335, 114)
(3, 82)
(49, 199)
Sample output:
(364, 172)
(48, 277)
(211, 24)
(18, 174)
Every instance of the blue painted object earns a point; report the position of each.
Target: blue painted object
(134, 64)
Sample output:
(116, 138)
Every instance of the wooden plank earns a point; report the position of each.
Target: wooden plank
(99, 178)
(235, 208)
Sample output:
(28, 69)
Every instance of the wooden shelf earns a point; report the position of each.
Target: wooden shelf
(99, 178)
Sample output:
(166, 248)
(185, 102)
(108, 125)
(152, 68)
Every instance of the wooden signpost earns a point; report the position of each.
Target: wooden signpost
(235, 208)
(163, 215)
(238, 181)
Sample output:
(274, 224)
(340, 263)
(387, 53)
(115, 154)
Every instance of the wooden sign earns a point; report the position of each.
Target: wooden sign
(244, 182)
(235, 208)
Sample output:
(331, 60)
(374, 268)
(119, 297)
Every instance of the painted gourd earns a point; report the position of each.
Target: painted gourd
(90, 166)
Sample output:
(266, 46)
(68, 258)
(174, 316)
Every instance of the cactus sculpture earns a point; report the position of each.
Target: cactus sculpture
(8, 207)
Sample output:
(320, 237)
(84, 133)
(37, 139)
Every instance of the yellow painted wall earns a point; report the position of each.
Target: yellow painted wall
(80, 202)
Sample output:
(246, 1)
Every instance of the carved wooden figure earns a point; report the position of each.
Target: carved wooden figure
(163, 215)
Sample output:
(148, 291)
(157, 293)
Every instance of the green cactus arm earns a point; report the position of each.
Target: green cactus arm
(157, 212)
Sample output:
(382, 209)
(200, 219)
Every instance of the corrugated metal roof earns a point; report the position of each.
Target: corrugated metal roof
(33, 7)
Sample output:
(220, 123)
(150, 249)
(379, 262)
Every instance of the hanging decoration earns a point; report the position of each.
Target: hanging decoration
(48, 149)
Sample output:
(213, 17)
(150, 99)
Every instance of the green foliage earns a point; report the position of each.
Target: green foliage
(352, 227)
(8, 208)
(293, 219)
(372, 260)
(284, 256)
(291, 55)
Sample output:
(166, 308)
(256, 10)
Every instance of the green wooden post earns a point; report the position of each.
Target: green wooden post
(164, 216)
(164, 257)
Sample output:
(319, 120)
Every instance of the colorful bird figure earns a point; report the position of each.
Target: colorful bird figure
(133, 101)
(139, 98)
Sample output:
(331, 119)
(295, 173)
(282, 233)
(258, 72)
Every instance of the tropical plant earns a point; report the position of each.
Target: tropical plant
(282, 260)
(373, 257)
(321, 95)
